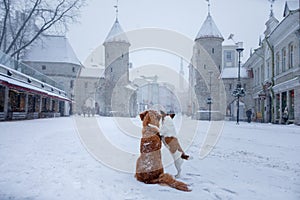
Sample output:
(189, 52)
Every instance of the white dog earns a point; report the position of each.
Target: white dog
(168, 135)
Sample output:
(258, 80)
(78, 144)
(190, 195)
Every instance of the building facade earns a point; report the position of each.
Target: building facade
(54, 57)
(28, 94)
(229, 75)
(86, 90)
(276, 69)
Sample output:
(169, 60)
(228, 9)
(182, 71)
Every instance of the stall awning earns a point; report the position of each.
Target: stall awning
(20, 85)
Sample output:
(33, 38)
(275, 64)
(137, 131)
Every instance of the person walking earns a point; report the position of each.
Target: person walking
(249, 114)
(285, 115)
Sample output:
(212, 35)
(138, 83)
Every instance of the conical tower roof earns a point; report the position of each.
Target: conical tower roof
(209, 29)
(116, 34)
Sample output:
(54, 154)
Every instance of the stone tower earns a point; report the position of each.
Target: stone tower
(205, 69)
(116, 72)
(116, 55)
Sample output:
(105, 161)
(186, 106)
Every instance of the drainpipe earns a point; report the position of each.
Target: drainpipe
(272, 78)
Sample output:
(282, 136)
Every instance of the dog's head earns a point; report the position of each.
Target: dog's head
(150, 117)
(163, 115)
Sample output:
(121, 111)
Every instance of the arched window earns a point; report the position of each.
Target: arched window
(291, 55)
(283, 61)
(277, 63)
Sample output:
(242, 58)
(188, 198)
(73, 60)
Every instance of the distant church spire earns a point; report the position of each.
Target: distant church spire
(117, 9)
(181, 75)
(181, 67)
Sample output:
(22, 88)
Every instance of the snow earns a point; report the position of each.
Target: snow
(51, 48)
(116, 33)
(46, 159)
(232, 72)
(209, 29)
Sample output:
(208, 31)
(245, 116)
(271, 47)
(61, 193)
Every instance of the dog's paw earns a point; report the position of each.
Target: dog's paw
(184, 156)
(177, 176)
(190, 158)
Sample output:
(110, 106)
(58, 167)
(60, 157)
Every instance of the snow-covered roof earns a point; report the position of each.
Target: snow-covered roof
(30, 87)
(53, 49)
(92, 72)
(271, 24)
(290, 6)
(209, 29)
(116, 34)
(232, 72)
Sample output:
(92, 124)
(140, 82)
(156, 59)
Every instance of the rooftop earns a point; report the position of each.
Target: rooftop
(53, 49)
(209, 29)
(116, 34)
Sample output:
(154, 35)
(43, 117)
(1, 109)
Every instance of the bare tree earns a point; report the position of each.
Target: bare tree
(23, 21)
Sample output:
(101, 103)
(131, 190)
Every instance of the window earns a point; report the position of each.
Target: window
(277, 63)
(86, 85)
(291, 104)
(213, 50)
(262, 74)
(244, 86)
(268, 68)
(283, 64)
(73, 69)
(256, 77)
(291, 55)
(43, 67)
(228, 56)
(111, 70)
(71, 84)
(230, 86)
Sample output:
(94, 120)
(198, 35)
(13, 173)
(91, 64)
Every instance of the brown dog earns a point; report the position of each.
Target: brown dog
(149, 168)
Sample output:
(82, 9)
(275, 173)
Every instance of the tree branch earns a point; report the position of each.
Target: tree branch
(37, 2)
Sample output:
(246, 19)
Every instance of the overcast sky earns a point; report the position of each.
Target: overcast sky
(244, 18)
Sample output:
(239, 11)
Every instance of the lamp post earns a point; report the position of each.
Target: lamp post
(239, 90)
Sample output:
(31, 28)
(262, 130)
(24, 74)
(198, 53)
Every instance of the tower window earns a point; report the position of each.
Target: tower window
(213, 50)
(73, 69)
(43, 67)
(111, 70)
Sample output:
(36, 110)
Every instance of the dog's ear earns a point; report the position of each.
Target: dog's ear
(163, 113)
(143, 114)
(172, 115)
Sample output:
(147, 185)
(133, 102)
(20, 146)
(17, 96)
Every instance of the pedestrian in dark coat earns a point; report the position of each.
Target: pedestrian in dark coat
(249, 113)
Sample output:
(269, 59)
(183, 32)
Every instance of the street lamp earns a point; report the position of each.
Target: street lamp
(209, 99)
(239, 91)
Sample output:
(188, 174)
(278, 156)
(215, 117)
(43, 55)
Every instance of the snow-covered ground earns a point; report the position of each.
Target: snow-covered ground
(46, 159)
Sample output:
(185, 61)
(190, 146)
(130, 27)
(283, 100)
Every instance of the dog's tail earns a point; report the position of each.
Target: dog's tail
(167, 179)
